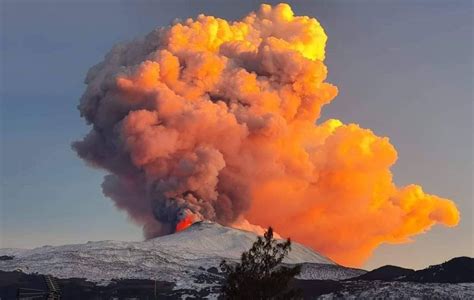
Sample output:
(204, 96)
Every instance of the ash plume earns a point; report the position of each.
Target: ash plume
(209, 119)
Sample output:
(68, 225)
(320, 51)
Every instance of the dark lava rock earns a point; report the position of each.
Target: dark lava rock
(7, 257)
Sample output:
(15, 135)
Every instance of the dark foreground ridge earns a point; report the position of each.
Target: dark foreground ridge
(79, 289)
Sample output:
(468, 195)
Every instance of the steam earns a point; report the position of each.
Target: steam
(215, 120)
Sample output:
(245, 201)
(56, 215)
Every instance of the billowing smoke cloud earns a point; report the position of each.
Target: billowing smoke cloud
(216, 120)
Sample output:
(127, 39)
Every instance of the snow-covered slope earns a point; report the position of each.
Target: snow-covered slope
(311, 271)
(181, 257)
(401, 290)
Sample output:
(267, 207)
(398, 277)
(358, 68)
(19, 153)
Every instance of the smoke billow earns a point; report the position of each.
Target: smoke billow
(216, 120)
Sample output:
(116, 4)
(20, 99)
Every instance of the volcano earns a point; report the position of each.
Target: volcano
(189, 258)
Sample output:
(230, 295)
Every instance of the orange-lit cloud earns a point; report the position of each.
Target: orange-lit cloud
(210, 119)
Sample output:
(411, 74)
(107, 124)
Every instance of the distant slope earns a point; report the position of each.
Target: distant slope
(456, 270)
(188, 258)
(386, 273)
(312, 271)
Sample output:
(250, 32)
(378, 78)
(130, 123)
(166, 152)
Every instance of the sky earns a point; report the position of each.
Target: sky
(403, 68)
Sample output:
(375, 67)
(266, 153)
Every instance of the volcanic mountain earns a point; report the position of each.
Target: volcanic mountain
(189, 258)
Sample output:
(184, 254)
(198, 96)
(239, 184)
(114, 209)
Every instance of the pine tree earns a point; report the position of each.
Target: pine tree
(260, 274)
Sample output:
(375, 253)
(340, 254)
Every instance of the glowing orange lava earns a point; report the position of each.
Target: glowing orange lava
(184, 223)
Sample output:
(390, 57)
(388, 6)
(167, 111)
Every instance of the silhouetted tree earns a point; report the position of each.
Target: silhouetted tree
(260, 274)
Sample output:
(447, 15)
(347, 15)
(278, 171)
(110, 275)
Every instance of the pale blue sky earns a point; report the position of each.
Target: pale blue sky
(404, 69)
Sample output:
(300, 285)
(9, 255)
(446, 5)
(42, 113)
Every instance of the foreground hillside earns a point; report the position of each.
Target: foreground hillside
(400, 290)
(74, 288)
